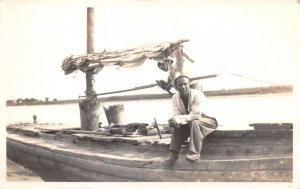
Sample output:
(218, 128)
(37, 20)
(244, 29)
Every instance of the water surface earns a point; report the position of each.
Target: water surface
(232, 112)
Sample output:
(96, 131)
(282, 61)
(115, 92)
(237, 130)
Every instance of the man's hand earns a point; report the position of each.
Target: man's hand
(164, 85)
(173, 123)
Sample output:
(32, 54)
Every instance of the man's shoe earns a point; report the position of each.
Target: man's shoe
(171, 160)
(192, 157)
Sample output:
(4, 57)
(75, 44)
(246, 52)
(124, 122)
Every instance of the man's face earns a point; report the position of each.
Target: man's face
(183, 86)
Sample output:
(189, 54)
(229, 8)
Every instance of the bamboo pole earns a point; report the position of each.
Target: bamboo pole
(149, 86)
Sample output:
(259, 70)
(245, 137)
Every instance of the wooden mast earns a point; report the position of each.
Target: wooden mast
(90, 107)
(90, 77)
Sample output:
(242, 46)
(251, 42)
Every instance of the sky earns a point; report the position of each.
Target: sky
(258, 39)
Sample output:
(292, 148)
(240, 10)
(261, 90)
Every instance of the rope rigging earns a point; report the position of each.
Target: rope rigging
(240, 75)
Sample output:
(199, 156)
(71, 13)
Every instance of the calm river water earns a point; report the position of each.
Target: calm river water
(232, 112)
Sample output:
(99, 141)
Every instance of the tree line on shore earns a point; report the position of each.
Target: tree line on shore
(222, 92)
(29, 100)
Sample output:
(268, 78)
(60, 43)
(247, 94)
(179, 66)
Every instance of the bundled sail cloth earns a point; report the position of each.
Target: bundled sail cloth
(124, 58)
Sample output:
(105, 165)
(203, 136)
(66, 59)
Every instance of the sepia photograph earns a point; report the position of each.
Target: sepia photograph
(149, 93)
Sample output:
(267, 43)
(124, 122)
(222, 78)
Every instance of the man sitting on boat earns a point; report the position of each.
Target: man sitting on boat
(188, 121)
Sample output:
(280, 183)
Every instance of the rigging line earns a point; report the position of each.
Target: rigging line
(243, 76)
(75, 74)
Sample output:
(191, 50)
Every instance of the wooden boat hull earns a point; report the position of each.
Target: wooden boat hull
(62, 158)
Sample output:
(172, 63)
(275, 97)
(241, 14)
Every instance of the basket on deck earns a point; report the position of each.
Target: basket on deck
(114, 114)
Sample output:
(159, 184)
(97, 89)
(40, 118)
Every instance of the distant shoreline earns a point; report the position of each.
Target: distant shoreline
(215, 93)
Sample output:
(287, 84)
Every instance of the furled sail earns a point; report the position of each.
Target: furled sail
(124, 58)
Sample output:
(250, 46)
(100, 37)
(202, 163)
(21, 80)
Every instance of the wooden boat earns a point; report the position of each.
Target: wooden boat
(58, 153)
